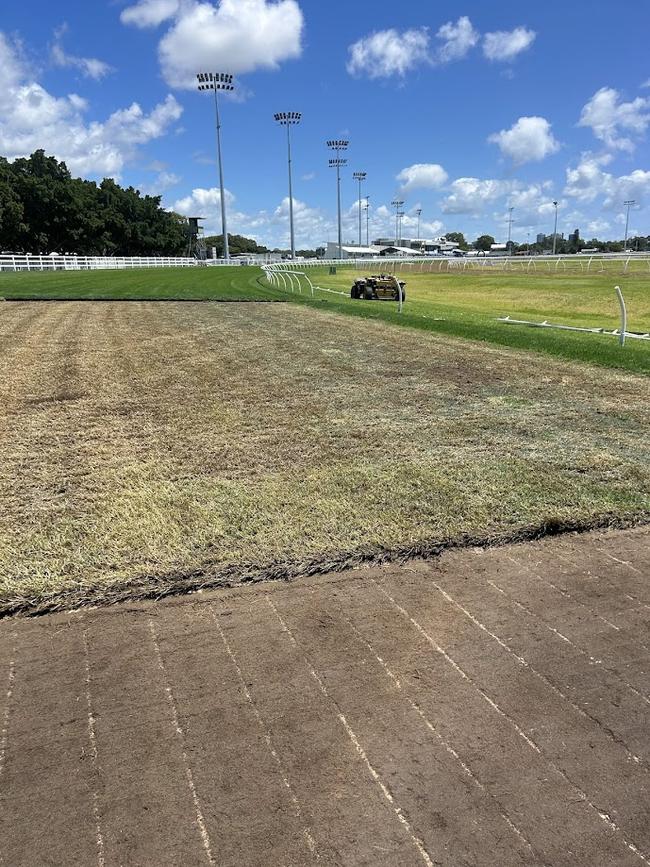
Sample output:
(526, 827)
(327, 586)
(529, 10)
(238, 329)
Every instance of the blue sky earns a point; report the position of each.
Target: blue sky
(462, 110)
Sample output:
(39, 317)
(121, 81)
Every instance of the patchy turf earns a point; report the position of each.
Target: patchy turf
(151, 446)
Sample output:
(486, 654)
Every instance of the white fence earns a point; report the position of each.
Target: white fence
(28, 262)
(623, 262)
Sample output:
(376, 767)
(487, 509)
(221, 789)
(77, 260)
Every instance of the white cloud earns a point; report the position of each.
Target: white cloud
(471, 195)
(529, 139)
(598, 227)
(505, 45)
(150, 13)
(90, 67)
(457, 39)
(32, 118)
(646, 83)
(422, 175)
(202, 202)
(588, 182)
(389, 52)
(237, 35)
(608, 116)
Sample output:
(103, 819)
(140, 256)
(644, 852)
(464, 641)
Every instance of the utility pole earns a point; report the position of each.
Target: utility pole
(359, 176)
(217, 81)
(510, 222)
(555, 230)
(628, 204)
(338, 145)
(397, 204)
(289, 118)
(367, 209)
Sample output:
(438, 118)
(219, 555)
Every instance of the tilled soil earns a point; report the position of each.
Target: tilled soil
(486, 708)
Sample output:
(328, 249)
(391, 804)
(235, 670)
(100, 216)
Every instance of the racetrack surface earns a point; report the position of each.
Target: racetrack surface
(489, 707)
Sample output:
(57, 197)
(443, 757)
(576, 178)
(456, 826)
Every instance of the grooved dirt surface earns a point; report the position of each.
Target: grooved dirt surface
(486, 708)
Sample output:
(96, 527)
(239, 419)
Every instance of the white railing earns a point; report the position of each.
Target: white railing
(443, 264)
(27, 262)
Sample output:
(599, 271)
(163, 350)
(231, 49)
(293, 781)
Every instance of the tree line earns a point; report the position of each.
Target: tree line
(43, 209)
(563, 246)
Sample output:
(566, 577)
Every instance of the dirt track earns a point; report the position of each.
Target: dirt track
(488, 708)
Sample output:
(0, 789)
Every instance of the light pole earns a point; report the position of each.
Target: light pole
(628, 205)
(510, 222)
(366, 208)
(217, 81)
(419, 214)
(289, 118)
(555, 230)
(360, 176)
(338, 145)
(397, 203)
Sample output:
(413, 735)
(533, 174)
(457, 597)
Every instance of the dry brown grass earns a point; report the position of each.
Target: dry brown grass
(152, 445)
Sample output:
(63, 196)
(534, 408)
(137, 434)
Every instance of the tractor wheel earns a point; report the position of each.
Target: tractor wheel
(368, 293)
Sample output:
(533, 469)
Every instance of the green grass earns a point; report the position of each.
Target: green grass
(469, 304)
(460, 304)
(157, 284)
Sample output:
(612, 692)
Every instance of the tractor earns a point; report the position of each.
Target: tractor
(378, 287)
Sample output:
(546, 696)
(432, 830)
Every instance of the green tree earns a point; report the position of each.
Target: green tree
(457, 238)
(484, 242)
(43, 209)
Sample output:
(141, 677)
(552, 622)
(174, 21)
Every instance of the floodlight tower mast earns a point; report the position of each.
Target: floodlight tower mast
(555, 229)
(289, 118)
(628, 204)
(217, 81)
(360, 176)
(338, 145)
(419, 214)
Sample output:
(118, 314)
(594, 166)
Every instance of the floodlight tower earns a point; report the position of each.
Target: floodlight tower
(628, 205)
(360, 176)
(397, 203)
(338, 145)
(419, 214)
(555, 229)
(289, 118)
(217, 81)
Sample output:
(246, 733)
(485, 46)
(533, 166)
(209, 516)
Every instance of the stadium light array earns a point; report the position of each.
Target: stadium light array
(289, 119)
(216, 81)
(337, 163)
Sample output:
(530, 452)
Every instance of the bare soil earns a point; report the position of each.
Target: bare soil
(490, 707)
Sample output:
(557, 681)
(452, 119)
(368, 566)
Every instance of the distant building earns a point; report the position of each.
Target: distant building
(541, 238)
(423, 245)
(574, 238)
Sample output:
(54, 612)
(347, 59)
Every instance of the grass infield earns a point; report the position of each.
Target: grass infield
(153, 447)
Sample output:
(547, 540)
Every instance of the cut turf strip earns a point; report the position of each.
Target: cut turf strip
(401, 716)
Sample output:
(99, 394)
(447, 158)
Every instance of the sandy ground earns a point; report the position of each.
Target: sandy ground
(487, 708)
